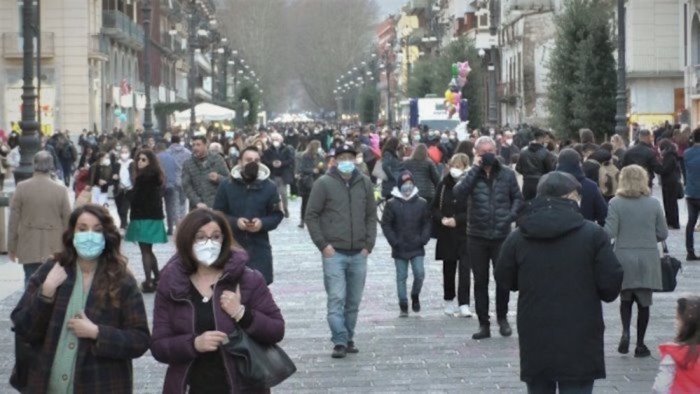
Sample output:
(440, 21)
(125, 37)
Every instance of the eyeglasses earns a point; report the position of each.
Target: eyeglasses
(201, 238)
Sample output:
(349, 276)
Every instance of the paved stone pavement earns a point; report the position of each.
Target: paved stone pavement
(427, 352)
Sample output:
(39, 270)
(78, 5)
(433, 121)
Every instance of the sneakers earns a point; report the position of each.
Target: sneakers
(403, 306)
(351, 349)
(339, 351)
(641, 351)
(504, 328)
(415, 303)
(624, 346)
(464, 311)
(483, 333)
(450, 308)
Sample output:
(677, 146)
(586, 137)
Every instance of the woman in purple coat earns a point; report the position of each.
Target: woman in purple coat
(205, 293)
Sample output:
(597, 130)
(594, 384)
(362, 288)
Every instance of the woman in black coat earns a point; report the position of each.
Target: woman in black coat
(146, 218)
(309, 168)
(390, 165)
(450, 221)
(424, 172)
(671, 188)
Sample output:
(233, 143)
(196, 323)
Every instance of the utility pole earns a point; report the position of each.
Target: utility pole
(493, 89)
(621, 99)
(148, 111)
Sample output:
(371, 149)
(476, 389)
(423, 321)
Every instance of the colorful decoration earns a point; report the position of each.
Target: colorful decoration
(453, 94)
(117, 112)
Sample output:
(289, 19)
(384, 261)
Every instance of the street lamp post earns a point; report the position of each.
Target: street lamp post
(192, 75)
(29, 141)
(387, 72)
(621, 99)
(148, 110)
(493, 106)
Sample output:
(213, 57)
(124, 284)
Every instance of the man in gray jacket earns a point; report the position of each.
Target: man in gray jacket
(342, 220)
(202, 173)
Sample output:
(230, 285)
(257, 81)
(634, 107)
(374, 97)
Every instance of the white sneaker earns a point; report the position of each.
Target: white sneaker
(450, 308)
(464, 311)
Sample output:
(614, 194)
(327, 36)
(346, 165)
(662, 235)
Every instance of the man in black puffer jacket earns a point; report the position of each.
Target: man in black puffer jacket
(534, 161)
(494, 200)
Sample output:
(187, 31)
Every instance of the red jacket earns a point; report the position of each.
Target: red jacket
(687, 380)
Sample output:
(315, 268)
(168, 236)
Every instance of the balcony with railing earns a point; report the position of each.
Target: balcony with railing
(118, 26)
(12, 45)
(98, 47)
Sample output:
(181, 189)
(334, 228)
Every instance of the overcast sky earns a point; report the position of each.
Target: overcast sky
(387, 7)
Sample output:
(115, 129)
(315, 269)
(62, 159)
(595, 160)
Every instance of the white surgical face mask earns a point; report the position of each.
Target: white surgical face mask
(124, 156)
(206, 252)
(456, 172)
(105, 162)
(276, 144)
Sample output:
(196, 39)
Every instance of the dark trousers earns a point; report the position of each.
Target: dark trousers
(171, 201)
(66, 168)
(449, 269)
(670, 197)
(544, 387)
(693, 210)
(304, 201)
(483, 253)
(123, 204)
(681, 162)
(530, 188)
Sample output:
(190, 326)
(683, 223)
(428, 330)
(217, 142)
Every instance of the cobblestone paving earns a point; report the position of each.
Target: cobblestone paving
(427, 352)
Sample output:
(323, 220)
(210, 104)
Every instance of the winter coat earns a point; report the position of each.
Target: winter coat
(174, 319)
(102, 365)
(687, 375)
(645, 156)
(39, 213)
(406, 225)
(391, 166)
(451, 241)
(147, 197)
(285, 155)
(692, 170)
(305, 172)
(169, 165)
(493, 203)
(563, 266)
(342, 213)
(99, 172)
(195, 178)
(637, 225)
(237, 199)
(425, 177)
(535, 160)
(671, 173)
(593, 205)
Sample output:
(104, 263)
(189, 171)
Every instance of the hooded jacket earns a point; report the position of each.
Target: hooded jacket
(174, 319)
(563, 266)
(686, 379)
(237, 199)
(342, 213)
(406, 224)
(593, 205)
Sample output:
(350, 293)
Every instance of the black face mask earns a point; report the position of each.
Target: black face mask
(250, 171)
(488, 159)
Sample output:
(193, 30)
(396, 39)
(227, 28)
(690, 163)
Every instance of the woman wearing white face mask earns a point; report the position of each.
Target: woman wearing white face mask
(450, 224)
(205, 293)
(100, 178)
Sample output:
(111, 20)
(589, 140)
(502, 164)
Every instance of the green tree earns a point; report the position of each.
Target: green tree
(368, 104)
(432, 75)
(246, 104)
(582, 76)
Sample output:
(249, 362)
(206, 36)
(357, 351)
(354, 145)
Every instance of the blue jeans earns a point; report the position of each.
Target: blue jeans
(693, 211)
(344, 280)
(171, 201)
(402, 274)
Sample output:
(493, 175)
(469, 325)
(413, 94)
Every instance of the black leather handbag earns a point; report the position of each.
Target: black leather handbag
(260, 366)
(24, 359)
(669, 270)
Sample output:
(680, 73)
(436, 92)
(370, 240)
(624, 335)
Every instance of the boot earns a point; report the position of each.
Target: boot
(624, 346)
(403, 306)
(415, 303)
(483, 333)
(504, 328)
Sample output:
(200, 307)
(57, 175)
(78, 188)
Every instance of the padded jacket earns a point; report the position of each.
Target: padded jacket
(493, 203)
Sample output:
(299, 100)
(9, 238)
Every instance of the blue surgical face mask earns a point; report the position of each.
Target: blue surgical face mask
(346, 167)
(89, 244)
(407, 189)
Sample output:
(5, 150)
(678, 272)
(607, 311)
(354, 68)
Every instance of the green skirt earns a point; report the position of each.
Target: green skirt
(149, 231)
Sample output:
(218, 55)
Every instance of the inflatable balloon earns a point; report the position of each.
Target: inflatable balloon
(463, 69)
(122, 117)
(117, 112)
(455, 70)
(448, 96)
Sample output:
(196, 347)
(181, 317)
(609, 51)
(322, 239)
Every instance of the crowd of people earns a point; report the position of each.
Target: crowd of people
(567, 224)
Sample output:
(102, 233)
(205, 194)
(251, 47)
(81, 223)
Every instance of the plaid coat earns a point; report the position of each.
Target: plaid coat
(102, 365)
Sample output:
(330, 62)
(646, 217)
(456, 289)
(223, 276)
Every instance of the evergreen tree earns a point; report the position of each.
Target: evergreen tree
(582, 75)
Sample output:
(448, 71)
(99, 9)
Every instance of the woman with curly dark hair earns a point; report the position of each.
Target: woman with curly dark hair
(83, 312)
(146, 218)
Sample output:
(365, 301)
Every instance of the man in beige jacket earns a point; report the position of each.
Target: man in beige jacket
(39, 213)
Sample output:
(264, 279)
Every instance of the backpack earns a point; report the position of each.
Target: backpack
(435, 154)
(608, 176)
(67, 151)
